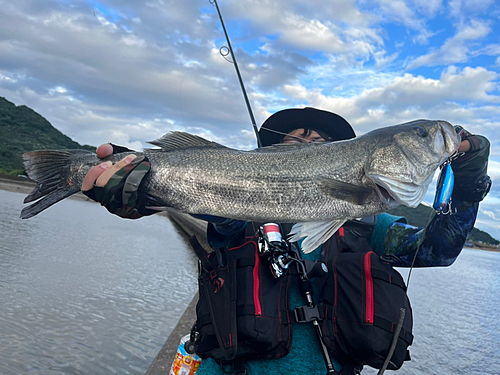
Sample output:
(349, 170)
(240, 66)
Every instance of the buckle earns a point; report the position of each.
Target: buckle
(306, 314)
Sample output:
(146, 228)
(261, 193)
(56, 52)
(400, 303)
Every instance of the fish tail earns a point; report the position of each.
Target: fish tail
(51, 172)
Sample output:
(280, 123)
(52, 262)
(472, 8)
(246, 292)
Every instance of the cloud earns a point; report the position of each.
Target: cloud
(120, 67)
(492, 215)
(453, 97)
(398, 11)
(494, 169)
(463, 9)
(455, 49)
(116, 63)
(340, 28)
(429, 8)
(110, 69)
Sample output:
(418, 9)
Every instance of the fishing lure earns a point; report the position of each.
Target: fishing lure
(446, 180)
(444, 189)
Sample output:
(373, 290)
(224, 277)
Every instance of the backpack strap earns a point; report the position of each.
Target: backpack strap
(351, 237)
(217, 281)
(239, 366)
(198, 249)
(388, 326)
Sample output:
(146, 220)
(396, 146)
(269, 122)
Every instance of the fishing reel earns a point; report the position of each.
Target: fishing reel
(281, 254)
(274, 248)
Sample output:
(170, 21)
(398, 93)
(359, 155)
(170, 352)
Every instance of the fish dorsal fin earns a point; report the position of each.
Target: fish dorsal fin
(344, 191)
(181, 140)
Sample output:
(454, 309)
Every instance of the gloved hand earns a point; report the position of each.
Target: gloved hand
(117, 186)
(471, 181)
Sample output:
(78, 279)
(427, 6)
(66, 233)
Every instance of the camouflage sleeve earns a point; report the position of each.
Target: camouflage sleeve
(438, 244)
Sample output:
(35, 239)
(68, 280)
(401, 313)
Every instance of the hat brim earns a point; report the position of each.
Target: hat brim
(283, 122)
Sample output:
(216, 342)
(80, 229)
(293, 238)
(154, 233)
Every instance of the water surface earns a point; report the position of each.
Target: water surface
(84, 292)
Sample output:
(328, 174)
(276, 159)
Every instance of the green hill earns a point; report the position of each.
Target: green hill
(22, 130)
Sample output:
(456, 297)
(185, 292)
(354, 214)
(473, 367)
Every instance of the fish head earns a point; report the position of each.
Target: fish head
(405, 157)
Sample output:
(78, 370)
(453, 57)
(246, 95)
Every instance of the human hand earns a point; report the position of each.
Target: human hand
(100, 174)
(469, 141)
(471, 181)
(116, 186)
(464, 146)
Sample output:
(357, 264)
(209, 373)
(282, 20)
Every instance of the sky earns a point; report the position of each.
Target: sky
(128, 72)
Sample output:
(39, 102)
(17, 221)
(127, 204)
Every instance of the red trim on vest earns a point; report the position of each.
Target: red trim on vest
(256, 277)
(369, 288)
(256, 285)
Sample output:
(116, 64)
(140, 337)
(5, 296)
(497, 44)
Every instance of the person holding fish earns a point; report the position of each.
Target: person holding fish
(398, 171)
(104, 182)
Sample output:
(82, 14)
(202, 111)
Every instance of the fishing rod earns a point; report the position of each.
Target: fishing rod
(230, 48)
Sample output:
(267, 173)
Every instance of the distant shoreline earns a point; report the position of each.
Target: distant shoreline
(486, 248)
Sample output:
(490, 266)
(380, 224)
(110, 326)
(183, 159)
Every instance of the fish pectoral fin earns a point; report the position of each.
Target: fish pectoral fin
(314, 233)
(181, 140)
(344, 190)
(152, 202)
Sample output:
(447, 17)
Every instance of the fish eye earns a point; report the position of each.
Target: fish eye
(420, 131)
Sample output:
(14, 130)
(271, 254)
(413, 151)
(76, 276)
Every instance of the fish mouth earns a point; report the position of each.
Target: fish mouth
(384, 194)
(450, 139)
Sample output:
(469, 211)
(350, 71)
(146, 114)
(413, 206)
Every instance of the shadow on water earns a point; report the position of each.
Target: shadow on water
(84, 292)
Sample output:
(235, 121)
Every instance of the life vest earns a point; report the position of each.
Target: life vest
(243, 310)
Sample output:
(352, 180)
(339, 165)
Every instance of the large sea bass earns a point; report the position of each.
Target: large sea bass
(328, 182)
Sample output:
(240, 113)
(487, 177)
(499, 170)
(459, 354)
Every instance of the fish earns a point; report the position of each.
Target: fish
(317, 186)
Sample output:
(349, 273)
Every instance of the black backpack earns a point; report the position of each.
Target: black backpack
(361, 303)
(235, 320)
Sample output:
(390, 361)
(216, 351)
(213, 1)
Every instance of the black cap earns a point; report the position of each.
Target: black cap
(324, 122)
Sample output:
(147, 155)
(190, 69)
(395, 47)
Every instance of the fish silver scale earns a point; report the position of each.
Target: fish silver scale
(283, 185)
(256, 186)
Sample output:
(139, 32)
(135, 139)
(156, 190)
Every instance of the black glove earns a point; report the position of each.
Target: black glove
(471, 181)
(119, 149)
(121, 195)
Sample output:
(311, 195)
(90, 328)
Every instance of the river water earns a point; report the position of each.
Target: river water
(84, 292)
